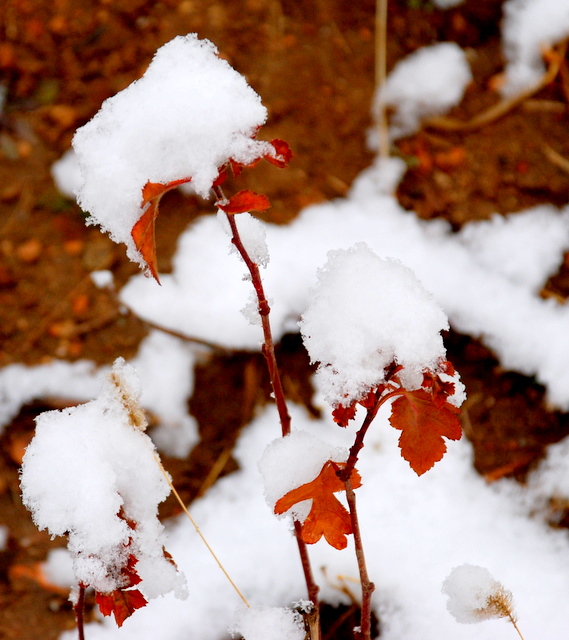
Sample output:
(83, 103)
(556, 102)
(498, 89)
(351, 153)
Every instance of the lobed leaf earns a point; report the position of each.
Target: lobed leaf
(122, 603)
(245, 201)
(328, 517)
(424, 422)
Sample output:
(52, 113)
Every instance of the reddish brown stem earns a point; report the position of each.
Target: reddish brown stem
(79, 608)
(367, 586)
(280, 400)
(345, 473)
(264, 311)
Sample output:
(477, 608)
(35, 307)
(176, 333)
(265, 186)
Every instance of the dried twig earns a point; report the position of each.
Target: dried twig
(500, 109)
(556, 158)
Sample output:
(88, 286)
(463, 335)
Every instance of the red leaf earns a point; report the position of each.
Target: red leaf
(342, 415)
(327, 517)
(245, 201)
(143, 232)
(283, 151)
(122, 603)
(439, 390)
(423, 423)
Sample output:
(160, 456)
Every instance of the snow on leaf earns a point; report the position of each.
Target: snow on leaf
(327, 517)
(424, 422)
(122, 603)
(143, 232)
(245, 201)
(283, 153)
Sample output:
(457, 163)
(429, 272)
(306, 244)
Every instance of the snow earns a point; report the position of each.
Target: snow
(473, 594)
(447, 4)
(196, 113)
(66, 174)
(485, 279)
(529, 27)
(58, 568)
(415, 531)
(428, 82)
(289, 462)
(364, 314)
(83, 466)
(252, 234)
(269, 623)
(500, 305)
(522, 246)
(4, 535)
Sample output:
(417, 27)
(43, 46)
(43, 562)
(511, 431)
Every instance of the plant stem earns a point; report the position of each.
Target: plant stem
(79, 607)
(345, 473)
(367, 586)
(381, 72)
(280, 400)
(513, 621)
(264, 311)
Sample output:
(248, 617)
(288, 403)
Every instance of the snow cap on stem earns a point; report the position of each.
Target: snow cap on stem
(366, 313)
(90, 473)
(474, 595)
(184, 119)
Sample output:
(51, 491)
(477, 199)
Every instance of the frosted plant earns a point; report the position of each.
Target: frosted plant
(474, 595)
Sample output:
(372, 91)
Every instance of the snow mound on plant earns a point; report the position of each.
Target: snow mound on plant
(366, 313)
(90, 474)
(185, 118)
(289, 462)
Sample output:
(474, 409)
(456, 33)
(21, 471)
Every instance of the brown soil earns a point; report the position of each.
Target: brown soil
(312, 63)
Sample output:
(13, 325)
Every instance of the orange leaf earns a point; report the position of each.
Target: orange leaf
(143, 232)
(327, 517)
(245, 201)
(122, 603)
(423, 423)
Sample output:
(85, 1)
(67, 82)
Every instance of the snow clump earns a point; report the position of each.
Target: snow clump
(90, 473)
(184, 119)
(366, 313)
(290, 462)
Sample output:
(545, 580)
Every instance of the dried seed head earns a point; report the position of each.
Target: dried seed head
(125, 384)
(474, 595)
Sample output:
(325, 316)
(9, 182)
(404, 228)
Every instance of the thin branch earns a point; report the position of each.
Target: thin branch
(278, 393)
(79, 608)
(556, 158)
(264, 311)
(381, 73)
(346, 472)
(513, 621)
(367, 586)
